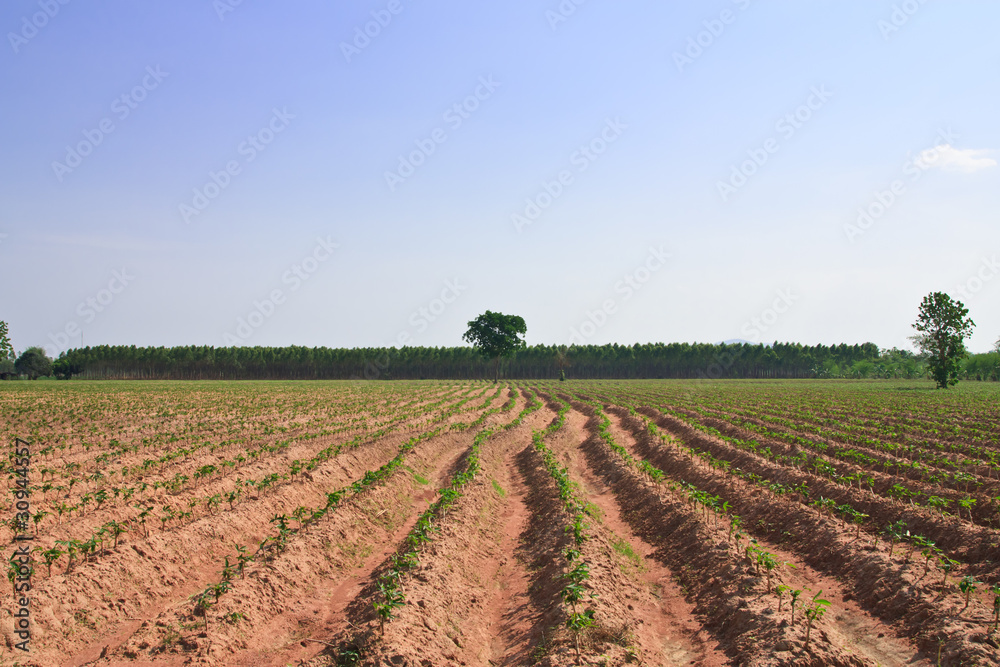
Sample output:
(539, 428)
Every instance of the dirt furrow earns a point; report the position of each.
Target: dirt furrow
(452, 593)
(166, 567)
(856, 630)
(977, 545)
(665, 623)
(727, 597)
(273, 595)
(882, 586)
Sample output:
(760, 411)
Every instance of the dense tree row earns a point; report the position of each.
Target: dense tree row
(652, 360)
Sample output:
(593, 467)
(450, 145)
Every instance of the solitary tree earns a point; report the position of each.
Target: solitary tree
(945, 326)
(6, 352)
(34, 363)
(496, 335)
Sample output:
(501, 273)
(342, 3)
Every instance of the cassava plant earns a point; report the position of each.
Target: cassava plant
(201, 607)
(573, 594)
(968, 586)
(794, 594)
(947, 565)
(814, 612)
(392, 599)
(894, 532)
(929, 552)
(51, 556)
(779, 592)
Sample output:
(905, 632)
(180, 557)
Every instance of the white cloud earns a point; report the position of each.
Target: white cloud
(950, 158)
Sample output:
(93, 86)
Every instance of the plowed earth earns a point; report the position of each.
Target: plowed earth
(694, 543)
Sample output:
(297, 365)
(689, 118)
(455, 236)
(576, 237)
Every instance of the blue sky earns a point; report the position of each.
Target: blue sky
(199, 172)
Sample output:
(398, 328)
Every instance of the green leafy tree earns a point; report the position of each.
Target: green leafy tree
(945, 326)
(495, 336)
(34, 363)
(6, 352)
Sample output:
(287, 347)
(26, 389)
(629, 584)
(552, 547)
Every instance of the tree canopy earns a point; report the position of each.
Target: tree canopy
(6, 349)
(611, 361)
(6, 352)
(34, 363)
(944, 324)
(495, 336)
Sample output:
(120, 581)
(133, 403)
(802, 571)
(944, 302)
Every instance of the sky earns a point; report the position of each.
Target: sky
(379, 173)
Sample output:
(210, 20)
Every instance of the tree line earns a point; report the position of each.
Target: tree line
(614, 361)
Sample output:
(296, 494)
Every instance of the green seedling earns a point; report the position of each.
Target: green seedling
(72, 548)
(51, 556)
(142, 519)
(242, 558)
(947, 565)
(219, 588)
(37, 519)
(577, 623)
(858, 518)
(116, 529)
(780, 591)
(938, 503)
(734, 526)
(573, 594)
(929, 553)
(202, 606)
(968, 586)
(966, 504)
(814, 612)
(794, 594)
(894, 532)
(299, 515)
(392, 599)
(13, 569)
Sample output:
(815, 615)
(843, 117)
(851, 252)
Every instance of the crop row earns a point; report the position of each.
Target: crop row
(262, 485)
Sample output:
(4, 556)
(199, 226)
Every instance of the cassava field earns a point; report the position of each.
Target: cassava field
(551, 523)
